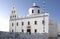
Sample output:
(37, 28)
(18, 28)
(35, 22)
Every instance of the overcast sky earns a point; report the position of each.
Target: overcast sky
(22, 6)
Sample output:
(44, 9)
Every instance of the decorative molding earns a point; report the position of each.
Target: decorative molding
(28, 17)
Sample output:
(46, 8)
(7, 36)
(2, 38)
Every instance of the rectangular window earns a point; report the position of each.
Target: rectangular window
(15, 16)
(17, 23)
(35, 22)
(12, 24)
(14, 11)
(38, 11)
(32, 11)
(12, 30)
(28, 23)
(22, 23)
(43, 22)
(22, 30)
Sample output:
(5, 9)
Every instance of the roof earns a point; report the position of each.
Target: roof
(35, 7)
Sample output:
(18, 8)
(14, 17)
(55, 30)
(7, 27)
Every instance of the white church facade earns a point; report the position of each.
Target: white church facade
(35, 22)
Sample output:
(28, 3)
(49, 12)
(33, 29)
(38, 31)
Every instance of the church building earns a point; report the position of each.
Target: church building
(35, 22)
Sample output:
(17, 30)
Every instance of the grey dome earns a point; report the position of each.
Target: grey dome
(35, 7)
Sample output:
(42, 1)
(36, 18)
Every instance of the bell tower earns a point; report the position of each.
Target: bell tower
(13, 14)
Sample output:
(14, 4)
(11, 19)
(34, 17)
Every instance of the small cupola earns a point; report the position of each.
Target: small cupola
(35, 9)
(35, 5)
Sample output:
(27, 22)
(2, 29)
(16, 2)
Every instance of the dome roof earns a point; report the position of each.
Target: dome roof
(35, 7)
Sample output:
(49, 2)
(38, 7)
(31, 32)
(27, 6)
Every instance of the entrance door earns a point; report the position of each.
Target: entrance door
(29, 31)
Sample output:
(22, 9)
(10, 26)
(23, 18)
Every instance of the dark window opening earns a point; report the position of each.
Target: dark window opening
(14, 11)
(15, 15)
(38, 11)
(22, 30)
(28, 23)
(22, 23)
(12, 30)
(43, 22)
(35, 22)
(32, 11)
(35, 30)
(17, 23)
(12, 24)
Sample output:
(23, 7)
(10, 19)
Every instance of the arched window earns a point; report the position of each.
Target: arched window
(35, 22)
(28, 23)
(22, 23)
(13, 11)
(38, 11)
(12, 24)
(35, 30)
(32, 11)
(17, 23)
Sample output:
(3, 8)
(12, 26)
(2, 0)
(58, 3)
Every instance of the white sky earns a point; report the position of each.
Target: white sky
(4, 24)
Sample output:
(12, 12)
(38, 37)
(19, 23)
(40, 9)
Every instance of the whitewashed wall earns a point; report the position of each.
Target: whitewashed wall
(39, 25)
